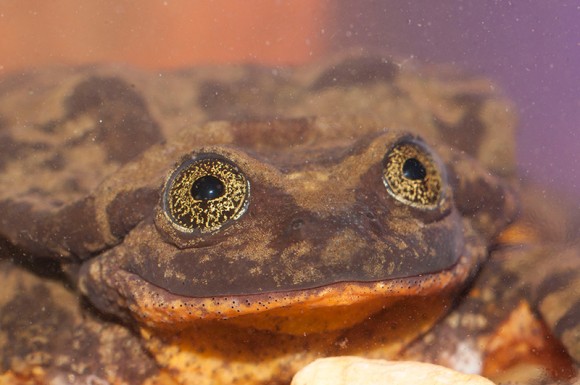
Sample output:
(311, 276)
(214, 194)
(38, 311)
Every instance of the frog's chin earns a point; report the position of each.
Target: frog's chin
(332, 307)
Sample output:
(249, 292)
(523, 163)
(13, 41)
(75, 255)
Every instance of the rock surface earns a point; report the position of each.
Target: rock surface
(359, 371)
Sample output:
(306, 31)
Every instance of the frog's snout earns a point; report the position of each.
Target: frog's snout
(306, 226)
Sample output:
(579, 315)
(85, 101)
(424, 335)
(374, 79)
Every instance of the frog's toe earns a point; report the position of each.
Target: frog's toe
(558, 299)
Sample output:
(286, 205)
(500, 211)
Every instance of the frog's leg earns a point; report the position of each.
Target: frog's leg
(549, 274)
(557, 299)
(48, 337)
(530, 332)
(495, 331)
(519, 320)
(547, 243)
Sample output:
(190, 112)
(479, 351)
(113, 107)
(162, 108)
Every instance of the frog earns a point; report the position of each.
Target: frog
(231, 224)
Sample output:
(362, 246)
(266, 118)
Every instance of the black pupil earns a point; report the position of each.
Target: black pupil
(414, 170)
(206, 188)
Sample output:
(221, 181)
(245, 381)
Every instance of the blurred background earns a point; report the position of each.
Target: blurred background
(531, 48)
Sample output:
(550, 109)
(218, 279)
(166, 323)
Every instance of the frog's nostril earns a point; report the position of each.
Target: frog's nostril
(368, 220)
(370, 216)
(297, 224)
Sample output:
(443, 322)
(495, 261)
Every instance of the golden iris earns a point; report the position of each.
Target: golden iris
(412, 176)
(205, 193)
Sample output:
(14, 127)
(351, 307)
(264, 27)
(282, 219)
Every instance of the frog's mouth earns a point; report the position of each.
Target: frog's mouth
(330, 307)
(343, 301)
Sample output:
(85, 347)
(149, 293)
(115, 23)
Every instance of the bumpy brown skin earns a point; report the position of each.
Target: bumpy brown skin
(325, 260)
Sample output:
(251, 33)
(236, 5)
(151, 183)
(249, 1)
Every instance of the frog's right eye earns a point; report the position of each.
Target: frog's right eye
(205, 193)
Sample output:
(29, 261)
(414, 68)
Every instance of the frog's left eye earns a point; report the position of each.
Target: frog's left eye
(412, 176)
(205, 193)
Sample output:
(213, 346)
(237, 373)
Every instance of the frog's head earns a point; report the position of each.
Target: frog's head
(309, 231)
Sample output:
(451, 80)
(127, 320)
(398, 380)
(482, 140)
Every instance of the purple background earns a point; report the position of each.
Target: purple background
(530, 48)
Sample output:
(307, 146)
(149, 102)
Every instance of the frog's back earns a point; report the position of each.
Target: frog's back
(64, 131)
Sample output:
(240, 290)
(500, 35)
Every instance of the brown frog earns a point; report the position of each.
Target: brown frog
(230, 225)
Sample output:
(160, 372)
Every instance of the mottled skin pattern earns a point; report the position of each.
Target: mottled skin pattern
(327, 256)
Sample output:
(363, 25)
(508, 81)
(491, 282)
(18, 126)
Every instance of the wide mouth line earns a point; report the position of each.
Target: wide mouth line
(292, 292)
(158, 308)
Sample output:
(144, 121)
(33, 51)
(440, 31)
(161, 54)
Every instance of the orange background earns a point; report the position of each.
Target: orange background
(161, 34)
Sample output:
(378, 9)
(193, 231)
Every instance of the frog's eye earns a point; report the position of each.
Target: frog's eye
(412, 176)
(204, 193)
